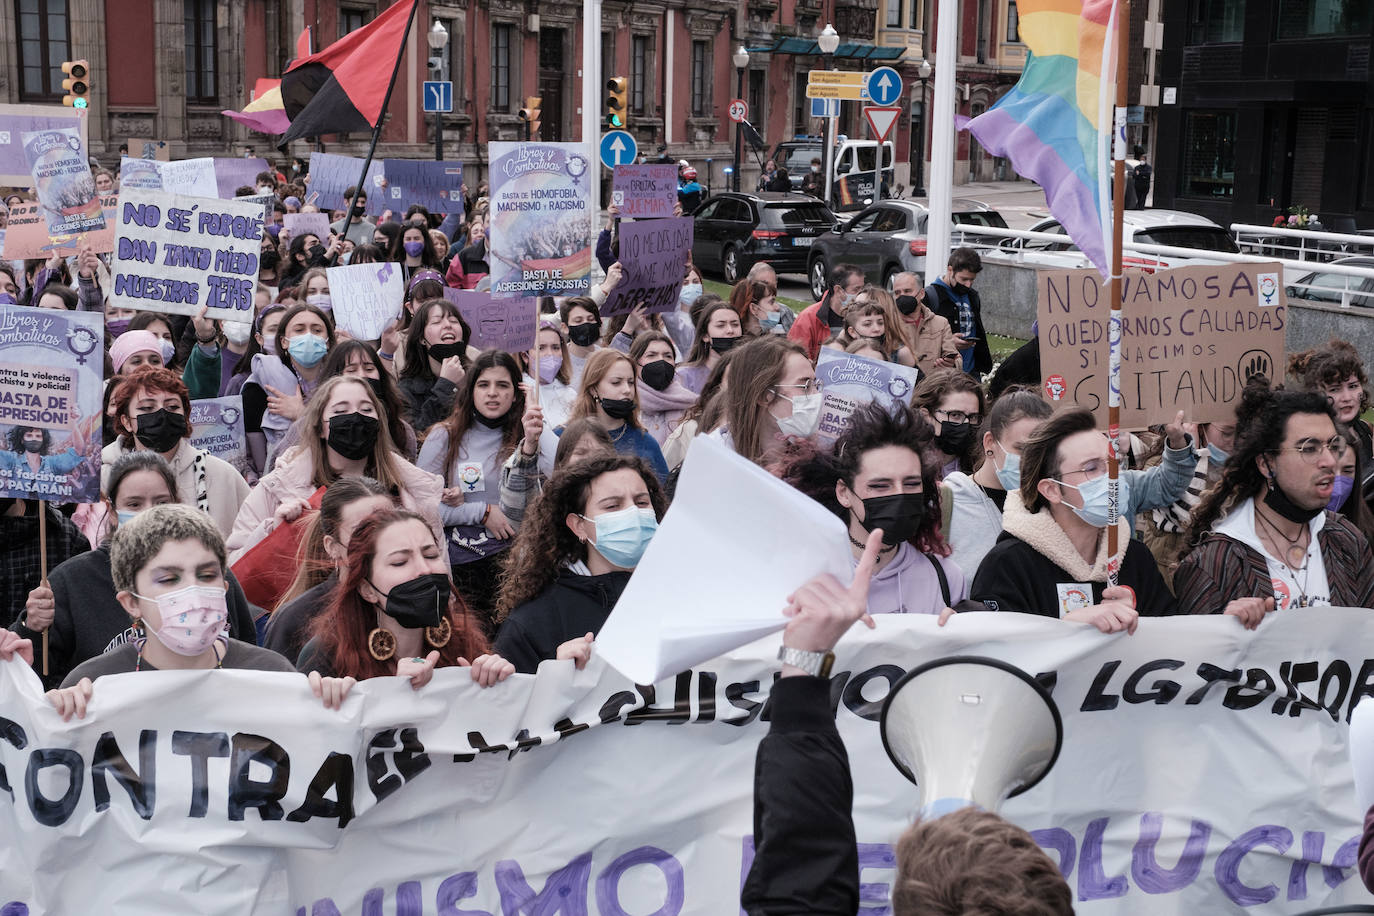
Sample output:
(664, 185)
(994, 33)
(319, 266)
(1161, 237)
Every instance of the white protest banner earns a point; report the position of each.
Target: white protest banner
(539, 242)
(265, 201)
(63, 181)
(217, 428)
(654, 254)
(850, 381)
(16, 121)
(299, 224)
(50, 398)
(1201, 772)
(175, 254)
(193, 177)
(366, 297)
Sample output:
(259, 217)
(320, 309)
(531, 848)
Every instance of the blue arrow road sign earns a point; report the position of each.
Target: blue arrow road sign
(884, 86)
(438, 96)
(618, 147)
(825, 108)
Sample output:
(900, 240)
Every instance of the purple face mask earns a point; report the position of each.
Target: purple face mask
(117, 327)
(1341, 488)
(414, 249)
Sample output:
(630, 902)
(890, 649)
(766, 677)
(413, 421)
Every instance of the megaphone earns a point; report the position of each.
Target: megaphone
(970, 730)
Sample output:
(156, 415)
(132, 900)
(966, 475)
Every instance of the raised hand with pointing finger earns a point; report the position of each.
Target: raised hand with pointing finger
(823, 610)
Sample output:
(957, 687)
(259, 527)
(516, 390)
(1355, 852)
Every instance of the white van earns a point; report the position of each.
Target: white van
(853, 167)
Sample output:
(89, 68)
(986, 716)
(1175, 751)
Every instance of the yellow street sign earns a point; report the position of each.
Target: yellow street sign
(853, 93)
(853, 78)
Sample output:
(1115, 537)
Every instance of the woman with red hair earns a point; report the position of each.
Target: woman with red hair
(396, 613)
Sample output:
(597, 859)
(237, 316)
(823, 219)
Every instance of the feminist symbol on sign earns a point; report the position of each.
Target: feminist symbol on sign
(82, 342)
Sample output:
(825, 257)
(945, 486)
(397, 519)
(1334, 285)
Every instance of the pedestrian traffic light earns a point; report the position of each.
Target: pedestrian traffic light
(77, 84)
(617, 102)
(530, 115)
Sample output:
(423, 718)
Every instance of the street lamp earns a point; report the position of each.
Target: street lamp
(438, 40)
(828, 41)
(741, 60)
(923, 73)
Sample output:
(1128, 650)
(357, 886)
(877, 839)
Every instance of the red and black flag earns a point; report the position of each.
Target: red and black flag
(342, 88)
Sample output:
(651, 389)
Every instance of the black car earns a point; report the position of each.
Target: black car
(734, 231)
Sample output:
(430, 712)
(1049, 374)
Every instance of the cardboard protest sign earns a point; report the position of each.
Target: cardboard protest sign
(140, 174)
(27, 235)
(299, 224)
(18, 120)
(500, 324)
(63, 182)
(217, 428)
(149, 149)
(232, 173)
(851, 381)
(539, 242)
(1190, 338)
(50, 398)
(437, 186)
(266, 201)
(175, 254)
(332, 175)
(366, 297)
(644, 191)
(653, 255)
(192, 177)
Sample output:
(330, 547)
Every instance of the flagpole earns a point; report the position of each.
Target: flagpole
(1123, 21)
(377, 130)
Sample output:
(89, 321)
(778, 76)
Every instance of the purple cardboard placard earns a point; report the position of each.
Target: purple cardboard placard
(644, 191)
(653, 255)
(502, 324)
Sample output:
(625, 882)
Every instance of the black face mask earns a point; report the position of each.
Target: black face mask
(419, 603)
(490, 422)
(269, 259)
(316, 252)
(908, 305)
(960, 289)
(617, 408)
(658, 374)
(723, 344)
(376, 385)
(442, 351)
(353, 435)
(160, 430)
(1278, 500)
(900, 516)
(33, 448)
(360, 209)
(954, 438)
(584, 335)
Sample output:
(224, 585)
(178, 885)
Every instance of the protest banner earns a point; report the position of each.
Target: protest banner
(539, 242)
(501, 324)
(299, 224)
(851, 381)
(50, 399)
(234, 172)
(1190, 338)
(191, 177)
(175, 254)
(217, 429)
(644, 191)
(63, 182)
(332, 175)
(149, 149)
(266, 201)
(366, 297)
(437, 186)
(1204, 770)
(140, 175)
(653, 256)
(18, 120)
(27, 234)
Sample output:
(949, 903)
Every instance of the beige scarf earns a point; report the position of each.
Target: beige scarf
(1041, 531)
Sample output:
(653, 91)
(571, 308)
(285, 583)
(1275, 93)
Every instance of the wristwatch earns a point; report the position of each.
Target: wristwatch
(816, 664)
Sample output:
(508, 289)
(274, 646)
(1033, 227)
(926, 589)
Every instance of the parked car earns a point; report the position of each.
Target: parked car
(886, 239)
(736, 230)
(1361, 288)
(1175, 228)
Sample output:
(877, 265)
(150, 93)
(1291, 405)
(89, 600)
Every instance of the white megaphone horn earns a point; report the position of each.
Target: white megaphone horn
(970, 730)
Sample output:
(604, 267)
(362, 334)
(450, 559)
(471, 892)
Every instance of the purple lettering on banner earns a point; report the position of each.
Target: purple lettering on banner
(14, 908)
(644, 191)
(372, 902)
(1093, 883)
(500, 324)
(654, 256)
(564, 892)
(1149, 875)
(1312, 843)
(1061, 842)
(608, 882)
(454, 888)
(325, 907)
(746, 862)
(1227, 869)
(874, 898)
(1336, 873)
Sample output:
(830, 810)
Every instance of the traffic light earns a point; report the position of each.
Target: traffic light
(617, 102)
(530, 115)
(77, 84)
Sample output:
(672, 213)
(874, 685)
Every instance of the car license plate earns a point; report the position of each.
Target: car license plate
(802, 241)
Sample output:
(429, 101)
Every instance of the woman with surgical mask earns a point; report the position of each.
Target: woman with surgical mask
(170, 578)
(573, 557)
(678, 323)
(315, 290)
(220, 347)
(556, 391)
(773, 396)
(276, 389)
(417, 249)
(78, 609)
(160, 327)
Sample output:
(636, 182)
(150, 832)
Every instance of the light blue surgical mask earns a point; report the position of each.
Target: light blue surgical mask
(1219, 455)
(169, 350)
(1009, 474)
(1094, 494)
(691, 292)
(623, 536)
(125, 515)
(307, 350)
(772, 320)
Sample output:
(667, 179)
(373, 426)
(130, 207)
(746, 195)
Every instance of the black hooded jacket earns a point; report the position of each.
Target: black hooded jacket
(574, 605)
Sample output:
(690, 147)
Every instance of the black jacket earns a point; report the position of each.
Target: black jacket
(806, 857)
(572, 606)
(288, 628)
(427, 400)
(88, 620)
(1022, 367)
(943, 304)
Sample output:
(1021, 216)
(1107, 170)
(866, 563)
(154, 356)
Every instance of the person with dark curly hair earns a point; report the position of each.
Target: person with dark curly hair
(27, 452)
(1337, 371)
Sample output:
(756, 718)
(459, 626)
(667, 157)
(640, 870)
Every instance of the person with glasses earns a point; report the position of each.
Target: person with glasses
(773, 396)
(1263, 539)
(1052, 558)
(954, 404)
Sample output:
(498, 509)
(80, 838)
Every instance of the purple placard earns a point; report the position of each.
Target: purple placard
(17, 120)
(316, 224)
(644, 191)
(436, 186)
(540, 238)
(234, 173)
(331, 176)
(653, 254)
(850, 381)
(502, 324)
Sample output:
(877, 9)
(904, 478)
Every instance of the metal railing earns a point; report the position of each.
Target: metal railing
(1308, 245)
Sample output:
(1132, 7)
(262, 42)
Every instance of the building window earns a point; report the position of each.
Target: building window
(1216, 21)
(42, 48)
(1209, 155)
(700, 97)
(200, 52)
(915, 12)
(758, 96)
(1324, 18)
(1013, 22)
(894, 14)
(500, 66)
(639, 73)
(351, 19)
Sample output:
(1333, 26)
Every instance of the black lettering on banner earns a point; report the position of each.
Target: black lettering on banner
(735, 693)
(53, 812)
(706, 696)
(1161, 691)
(335, 773)
(1363, 687)
(523, 742)
(378, 781)
(12, 732)
(566, 728)
(1211, 675)
(611, 710)
(1338, 671)
(141, 785)
(853, 691)
(200, 747)
(1259, 685)
(1303, 673)
(1049, 680)
(410, 760)
(681, 711)
(1097, 700)
(246, 792)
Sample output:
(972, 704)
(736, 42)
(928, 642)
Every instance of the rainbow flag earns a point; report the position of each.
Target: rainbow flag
(1055, 124)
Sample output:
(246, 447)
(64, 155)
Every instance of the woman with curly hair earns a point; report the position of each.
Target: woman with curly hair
(573, 558)
(1337, 371)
